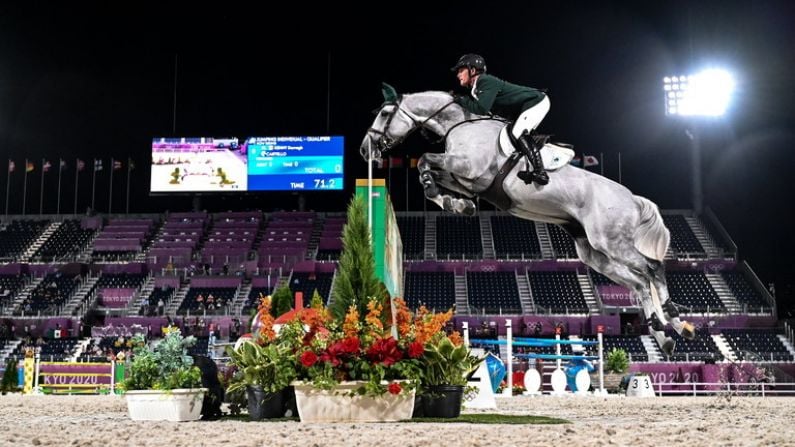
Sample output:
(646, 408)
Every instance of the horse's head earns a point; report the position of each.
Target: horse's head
(391, 126)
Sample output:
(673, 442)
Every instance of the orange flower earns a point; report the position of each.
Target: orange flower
(351, 325)
(403, 317)
(427, 324)
(373, 321)
(455, 337)
(266, 333)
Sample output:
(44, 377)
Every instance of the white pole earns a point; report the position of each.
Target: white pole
(465, 330)
(370, 188)
(112, 378)
(601, 365)
(557, 349)
(508, 392)
(37, 363)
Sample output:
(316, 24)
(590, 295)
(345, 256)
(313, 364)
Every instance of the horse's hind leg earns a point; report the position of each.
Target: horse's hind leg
(637, 284)
(657, 271)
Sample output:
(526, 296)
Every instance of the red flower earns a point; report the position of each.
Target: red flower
(416, 349)
(385, 351)
(350, 345)
(395, 388)
(308, 359)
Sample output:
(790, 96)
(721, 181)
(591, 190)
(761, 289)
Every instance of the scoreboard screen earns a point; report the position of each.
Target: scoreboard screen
(295, 163)
(207, 164)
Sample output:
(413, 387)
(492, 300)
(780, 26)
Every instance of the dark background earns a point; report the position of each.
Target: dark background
(97, 80)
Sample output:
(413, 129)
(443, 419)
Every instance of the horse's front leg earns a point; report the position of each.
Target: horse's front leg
(431, 169)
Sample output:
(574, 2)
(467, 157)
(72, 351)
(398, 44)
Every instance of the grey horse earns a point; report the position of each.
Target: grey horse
(616, 233)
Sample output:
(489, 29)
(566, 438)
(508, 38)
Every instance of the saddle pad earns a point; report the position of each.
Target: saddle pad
(554, 156)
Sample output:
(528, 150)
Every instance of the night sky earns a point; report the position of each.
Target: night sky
(98, 81)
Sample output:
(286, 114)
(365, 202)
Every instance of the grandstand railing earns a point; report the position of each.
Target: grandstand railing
(716, 388)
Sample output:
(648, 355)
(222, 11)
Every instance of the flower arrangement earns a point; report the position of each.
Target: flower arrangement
(369, 349)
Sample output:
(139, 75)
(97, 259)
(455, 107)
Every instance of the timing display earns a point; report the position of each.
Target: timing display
(295, 163)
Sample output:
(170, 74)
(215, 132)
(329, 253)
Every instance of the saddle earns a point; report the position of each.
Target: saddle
(554, 155)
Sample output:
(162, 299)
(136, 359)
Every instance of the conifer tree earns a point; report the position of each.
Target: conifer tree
(282, 301)
(356, 281)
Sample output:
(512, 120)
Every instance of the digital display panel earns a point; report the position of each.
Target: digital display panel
(205, 164)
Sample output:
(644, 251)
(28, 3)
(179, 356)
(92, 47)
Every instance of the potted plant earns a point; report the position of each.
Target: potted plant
(616, 364)
(264, 372)
(354, 370)
(10, 378)
(445, 368)
(163, 383)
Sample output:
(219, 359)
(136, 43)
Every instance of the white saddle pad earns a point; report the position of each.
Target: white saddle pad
(554, 156)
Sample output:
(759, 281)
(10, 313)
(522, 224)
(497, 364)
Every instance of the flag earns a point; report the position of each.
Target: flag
(589, 160)
(576, 161)
(63, 164)
(413, 162)
(11, 165)
(116, 165)
(97, 165)
(80, 164)
(29, 166)
(395, 162)
(45, 166)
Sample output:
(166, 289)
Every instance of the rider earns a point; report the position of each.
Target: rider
(524, 105)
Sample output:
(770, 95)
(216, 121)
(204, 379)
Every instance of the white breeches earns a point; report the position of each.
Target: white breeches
(531, 118)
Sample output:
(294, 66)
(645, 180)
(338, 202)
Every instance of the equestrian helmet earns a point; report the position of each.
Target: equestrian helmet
(470, 60)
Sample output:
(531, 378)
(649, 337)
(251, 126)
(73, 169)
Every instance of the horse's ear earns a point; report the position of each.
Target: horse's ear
(389, 92)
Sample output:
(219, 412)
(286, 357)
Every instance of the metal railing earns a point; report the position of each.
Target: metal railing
(715, 388)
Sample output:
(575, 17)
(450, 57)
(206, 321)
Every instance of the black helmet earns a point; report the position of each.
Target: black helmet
(470, 60)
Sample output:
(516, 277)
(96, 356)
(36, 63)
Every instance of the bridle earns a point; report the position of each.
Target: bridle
(384, 141)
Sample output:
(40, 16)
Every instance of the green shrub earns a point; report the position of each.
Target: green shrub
(617, 361)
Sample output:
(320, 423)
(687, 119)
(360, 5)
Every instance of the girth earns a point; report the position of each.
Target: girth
(495, 193)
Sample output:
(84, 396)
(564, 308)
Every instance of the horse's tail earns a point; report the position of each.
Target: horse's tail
(651, 236)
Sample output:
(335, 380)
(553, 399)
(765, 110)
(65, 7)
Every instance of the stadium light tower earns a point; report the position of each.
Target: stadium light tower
(704, 94)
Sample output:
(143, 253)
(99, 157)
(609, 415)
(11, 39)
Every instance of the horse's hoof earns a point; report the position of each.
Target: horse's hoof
(668, 347)
(447, 204)
(469, 208)
(431, 191)
(688, 331)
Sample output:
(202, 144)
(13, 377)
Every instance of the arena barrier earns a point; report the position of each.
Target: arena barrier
(74, 378)
(560, 377)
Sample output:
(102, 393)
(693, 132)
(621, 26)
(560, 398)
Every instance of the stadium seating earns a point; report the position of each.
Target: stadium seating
(683, 241)
(515, 238)
(562, 243)
(458, 237)
(757, 345)
(435, 290)
(66, 243)
(309, 282)
(493, 292)
(693, 290)
(702, 348)
(557, 292)
(17, 236)
(746, 295)
(412, 235)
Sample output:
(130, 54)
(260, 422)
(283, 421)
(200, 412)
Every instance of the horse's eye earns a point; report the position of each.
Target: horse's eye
(384, 113)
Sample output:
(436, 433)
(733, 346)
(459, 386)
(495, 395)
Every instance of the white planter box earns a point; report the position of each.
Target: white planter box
(315, 405)
(173, 405)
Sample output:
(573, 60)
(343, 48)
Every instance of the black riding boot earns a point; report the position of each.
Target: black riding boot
(533, 152)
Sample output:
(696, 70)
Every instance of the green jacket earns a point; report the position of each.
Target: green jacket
(500, 98)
